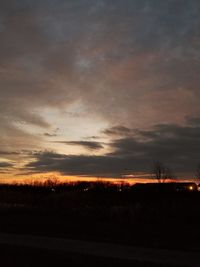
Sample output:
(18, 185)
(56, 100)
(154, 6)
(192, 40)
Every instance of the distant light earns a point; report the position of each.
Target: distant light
(191, 187)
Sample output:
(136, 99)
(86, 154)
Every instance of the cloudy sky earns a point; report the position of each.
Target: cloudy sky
(99, 88)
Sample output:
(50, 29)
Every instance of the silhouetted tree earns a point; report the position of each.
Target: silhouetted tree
(197, 173)
(161, 173)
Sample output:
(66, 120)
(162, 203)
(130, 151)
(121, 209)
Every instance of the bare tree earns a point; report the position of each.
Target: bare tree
(197, 173)
(161, 173)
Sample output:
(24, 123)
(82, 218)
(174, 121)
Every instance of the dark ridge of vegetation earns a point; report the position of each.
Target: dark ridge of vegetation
(107, 201)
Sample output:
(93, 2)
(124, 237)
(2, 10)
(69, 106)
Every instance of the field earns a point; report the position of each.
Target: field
(103, 212)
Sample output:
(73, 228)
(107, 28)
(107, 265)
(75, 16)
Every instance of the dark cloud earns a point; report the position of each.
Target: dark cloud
(175, 145)
(195, 121)
(127, 55)
(5, 165)
(9, 152)
(50, 134)
(91, 137)
(92, 145)
(83, 165)
(133, 63)
(53, 133)
(118, 131)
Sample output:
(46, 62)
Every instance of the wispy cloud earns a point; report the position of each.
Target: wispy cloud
(91, 145)
(131, 64)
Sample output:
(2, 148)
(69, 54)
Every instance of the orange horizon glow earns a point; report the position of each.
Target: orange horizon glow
(62, 179)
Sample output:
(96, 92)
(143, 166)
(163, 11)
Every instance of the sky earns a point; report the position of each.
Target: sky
(99, 88)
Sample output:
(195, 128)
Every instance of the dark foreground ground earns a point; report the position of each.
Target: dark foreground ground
(149, 219)
(170, 236)
(12, 256)
(163, 220)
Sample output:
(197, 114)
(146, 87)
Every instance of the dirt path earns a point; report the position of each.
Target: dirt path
(174, 258)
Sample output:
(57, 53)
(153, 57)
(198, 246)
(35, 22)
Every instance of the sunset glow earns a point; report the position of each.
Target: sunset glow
(99, 89)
